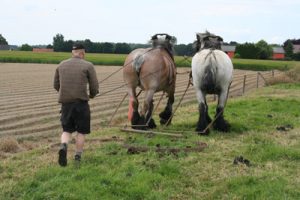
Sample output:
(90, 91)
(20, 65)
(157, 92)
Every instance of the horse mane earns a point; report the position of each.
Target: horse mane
(207, 40)
(165, 41)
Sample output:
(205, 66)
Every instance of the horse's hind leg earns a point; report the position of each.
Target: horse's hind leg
(204, 118)
(133, 111)
(221, 124)
(148, 109)
(166, 114)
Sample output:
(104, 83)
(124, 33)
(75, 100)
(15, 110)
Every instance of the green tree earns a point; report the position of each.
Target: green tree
(3, 40)
(288, 48)
(265, 50)
(49, 46)
(26, 47)
(296, 56)
(247, 50)
(97, 47)
(58, 42)
(122, 48)
(67, 46)
(180, 49)
(88, 45)
(184, 50)
(108, 47)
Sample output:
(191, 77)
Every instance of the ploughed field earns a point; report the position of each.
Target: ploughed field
(29, 107)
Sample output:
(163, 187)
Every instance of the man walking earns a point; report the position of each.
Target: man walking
(71, 79)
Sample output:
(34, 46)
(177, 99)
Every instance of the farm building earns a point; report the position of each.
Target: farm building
(296, 48)
(8, 47)
(4, 47)
(229, 50)
(278, 53)
(42, 50)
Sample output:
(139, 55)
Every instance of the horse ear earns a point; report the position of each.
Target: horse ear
(168, 37)
(220, 39)
(154, 37)
(196, 45)
(198, 37)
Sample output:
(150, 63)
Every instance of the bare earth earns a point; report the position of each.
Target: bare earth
(29, 107)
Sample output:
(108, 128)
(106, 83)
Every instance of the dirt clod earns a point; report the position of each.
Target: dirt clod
(286, 127)
(240, 159)
(166, 150)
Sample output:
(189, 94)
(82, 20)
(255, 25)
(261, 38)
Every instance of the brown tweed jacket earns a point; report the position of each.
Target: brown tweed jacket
(71, 79)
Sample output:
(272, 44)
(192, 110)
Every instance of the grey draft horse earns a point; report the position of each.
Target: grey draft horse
(152, 70)
(212, 72)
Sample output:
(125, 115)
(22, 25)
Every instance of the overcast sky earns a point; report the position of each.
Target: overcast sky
(134, 21)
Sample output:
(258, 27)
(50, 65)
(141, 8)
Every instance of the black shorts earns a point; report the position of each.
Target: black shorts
(76, 116)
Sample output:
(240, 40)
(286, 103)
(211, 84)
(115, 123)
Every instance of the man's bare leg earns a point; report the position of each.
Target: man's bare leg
(80, 139)
(62, 154)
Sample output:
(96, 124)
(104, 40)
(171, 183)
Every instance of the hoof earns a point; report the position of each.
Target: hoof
(138, 122)
(164, 117)
(151, 124)
(201, 126)
(165, 121)
(202, 132)
(222, 125)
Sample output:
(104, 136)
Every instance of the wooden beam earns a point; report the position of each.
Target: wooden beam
(150, 132)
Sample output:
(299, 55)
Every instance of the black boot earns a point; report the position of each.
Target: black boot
(62, 155)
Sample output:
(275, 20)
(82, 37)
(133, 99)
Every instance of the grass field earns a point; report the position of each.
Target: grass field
(109, 172)
(118, 60)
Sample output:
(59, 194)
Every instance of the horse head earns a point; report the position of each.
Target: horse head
(164, 40)
(207, 40)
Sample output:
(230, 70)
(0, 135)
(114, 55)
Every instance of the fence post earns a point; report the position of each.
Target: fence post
(244, 83)
(257, 79)
(273, 73)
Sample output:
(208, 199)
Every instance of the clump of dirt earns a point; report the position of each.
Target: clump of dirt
(241, 159)
(286, 127)
(9, 145)
(200, 146)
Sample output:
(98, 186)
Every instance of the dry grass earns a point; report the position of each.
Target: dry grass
(9, 145)
(291, 76)
(294, 73)
(282, 78)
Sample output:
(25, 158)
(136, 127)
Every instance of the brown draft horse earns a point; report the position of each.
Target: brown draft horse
(152, 70)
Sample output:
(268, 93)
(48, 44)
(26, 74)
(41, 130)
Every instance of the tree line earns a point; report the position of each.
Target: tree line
(262, 50)
(61, 45)
(259, 50)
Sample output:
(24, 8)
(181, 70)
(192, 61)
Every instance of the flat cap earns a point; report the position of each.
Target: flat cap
(77, 46)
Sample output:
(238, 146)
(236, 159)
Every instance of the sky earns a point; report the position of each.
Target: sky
(134, 21)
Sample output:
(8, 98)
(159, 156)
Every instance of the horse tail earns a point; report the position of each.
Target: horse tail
(209, 77)
(137, 62)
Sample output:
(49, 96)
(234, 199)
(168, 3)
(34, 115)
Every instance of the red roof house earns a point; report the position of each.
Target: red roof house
(229, 50)
(278, 53)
